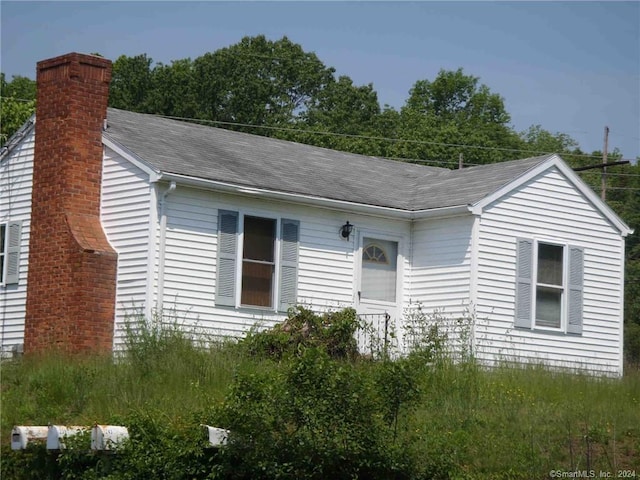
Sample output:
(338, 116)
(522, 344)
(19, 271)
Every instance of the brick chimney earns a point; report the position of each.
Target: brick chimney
(72, 267)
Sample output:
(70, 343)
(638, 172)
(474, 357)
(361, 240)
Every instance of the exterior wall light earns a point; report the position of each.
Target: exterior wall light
(346, 230)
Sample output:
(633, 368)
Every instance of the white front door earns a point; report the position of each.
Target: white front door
(377, 290)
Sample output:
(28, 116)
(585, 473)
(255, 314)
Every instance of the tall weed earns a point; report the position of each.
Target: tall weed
(305, 405)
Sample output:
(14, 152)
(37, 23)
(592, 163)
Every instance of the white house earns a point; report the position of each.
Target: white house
(227, 229)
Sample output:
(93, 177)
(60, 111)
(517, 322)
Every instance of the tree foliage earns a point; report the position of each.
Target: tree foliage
(452, 112)
(258, 82)
(17, 104)
(131, 83)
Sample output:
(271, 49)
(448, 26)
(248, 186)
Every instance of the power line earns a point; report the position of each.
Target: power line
(597, 187)
(584, 172)
(368, 137)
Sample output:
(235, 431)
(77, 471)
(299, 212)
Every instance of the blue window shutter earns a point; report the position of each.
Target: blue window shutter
(227, 258)
(290, 236)
(576, 281)
(524, 287)
(13, 252)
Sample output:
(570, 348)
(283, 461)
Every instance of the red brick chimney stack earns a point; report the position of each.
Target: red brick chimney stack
(72, 266)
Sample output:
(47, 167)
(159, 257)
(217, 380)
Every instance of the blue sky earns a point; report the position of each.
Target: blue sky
(572, 67)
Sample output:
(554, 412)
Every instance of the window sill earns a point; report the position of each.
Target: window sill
(253, 309)
(548, 331)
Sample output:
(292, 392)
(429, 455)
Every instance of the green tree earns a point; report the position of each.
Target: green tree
(172, 90)
(17, 104)
(623, 195)
(14, 113)
(344, 108)
(258, 82)
(538, 141)
(452, 112)
(131, 83)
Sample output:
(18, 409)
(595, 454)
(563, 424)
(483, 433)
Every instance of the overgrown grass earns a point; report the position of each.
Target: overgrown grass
(163, 369)
(304, 414)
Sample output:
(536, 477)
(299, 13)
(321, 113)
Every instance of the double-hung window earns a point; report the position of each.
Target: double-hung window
(549, 286)
(10, 239)
(257, 261)
(550, 289)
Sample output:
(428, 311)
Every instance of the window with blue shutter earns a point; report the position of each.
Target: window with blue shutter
(547, 297)
(10, 242)
(257, 263)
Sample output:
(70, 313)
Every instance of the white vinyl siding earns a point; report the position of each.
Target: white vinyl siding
(325, 266)
(440, 280)
(125, 215)
(16, 177)
(548, 208)
(440, 272)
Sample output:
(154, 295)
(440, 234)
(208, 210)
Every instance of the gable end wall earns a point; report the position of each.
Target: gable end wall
(16, 178)
(549, 208)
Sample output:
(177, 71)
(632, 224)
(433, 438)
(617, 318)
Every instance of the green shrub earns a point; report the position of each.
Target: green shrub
(312, 417)
(632, 343)
(332, 332)
(318, 411)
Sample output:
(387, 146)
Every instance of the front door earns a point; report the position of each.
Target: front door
(377, 294)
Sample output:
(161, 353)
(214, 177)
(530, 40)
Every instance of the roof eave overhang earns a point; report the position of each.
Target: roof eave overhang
(319, 202)
(154, 174)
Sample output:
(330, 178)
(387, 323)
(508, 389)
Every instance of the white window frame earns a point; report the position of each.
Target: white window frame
(376, 235)
(565, 285)
(573, 283)
(275, 290)
(230, 260)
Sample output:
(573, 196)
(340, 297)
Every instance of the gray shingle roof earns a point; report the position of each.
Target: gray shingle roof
(242, 159)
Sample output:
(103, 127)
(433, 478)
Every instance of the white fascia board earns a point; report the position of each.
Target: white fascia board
(442, 212)
(154, 175)
(286, 197)
(328, 203)
(571, 176)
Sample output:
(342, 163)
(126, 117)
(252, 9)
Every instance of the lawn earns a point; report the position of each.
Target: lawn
(298, 411)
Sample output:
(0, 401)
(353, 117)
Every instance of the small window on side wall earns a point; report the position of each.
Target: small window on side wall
(550, 291)
(549, 286)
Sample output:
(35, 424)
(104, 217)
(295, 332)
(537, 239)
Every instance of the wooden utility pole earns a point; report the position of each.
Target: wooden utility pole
(603, 189)
(460, 161)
